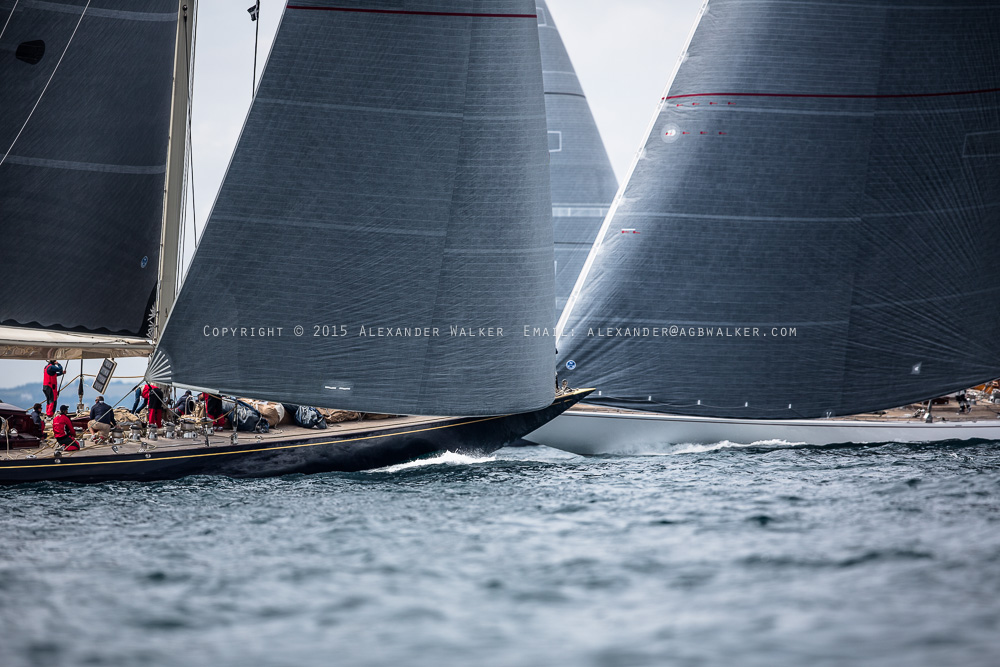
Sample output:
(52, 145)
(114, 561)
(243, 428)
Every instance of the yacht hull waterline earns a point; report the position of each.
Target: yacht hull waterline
(367, 449)
(590, 433)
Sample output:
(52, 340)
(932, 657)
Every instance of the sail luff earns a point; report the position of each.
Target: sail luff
(602, 231)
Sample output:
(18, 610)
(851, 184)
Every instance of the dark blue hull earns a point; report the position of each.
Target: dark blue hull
(358, 450)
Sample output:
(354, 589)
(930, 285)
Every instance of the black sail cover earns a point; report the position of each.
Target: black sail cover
(813, 225)
(85, 92)
(583, 182)
(389, 195)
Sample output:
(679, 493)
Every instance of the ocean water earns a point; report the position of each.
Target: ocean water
(765, 555)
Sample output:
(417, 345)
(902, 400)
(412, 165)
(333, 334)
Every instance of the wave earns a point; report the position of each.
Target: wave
(726, 444)
(446, 458)
(675, 449)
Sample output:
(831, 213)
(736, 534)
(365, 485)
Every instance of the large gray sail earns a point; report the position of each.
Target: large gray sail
(813, 225)
(383, 235)
(583, 182)
(85, 90)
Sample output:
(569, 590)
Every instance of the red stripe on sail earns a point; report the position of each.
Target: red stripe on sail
(838, 96)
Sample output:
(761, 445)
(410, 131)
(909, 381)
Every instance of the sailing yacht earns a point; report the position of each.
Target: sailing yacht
(381, 239)
(807, 234)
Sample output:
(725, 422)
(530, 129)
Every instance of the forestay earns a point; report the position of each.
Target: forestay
(813, 225)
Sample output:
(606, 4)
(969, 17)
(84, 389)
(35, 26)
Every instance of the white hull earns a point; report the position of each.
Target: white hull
(591, 432)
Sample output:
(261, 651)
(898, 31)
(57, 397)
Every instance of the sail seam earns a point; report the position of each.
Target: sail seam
(852, 114)
(97, 12)
(361, 10)
(323, 225)
(350, 107)
(872, 6)
(851, 96)
(85, 166)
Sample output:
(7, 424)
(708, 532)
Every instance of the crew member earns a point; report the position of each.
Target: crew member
(62, 429)
(156, 401)
(36, 415)
(213, 409)
(963, 402)
(140, 391)
(184, 404)
(50, 385)
(102, 418)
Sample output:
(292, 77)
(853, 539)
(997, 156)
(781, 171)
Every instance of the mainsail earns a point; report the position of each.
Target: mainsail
(85, 105)
(583, 182)
(385, 215)
(812, 226)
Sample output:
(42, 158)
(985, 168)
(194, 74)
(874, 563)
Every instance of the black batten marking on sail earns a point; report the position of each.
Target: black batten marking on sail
(30, 52)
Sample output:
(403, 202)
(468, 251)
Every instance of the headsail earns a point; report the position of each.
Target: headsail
(583, 182)
(388, 197)
(812, 226)
(85, 91)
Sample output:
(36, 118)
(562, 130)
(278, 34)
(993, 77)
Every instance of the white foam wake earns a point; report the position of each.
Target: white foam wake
(447, 458)
(726, 444)
(701, 448)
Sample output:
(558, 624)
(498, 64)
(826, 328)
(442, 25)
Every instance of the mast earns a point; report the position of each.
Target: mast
(173, 186)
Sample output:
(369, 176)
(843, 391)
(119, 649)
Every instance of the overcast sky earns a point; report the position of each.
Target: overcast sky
(623, 52)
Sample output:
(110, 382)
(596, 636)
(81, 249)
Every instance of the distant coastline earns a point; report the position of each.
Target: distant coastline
(26, 395)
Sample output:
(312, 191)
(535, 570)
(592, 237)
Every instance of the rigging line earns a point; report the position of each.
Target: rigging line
(253, 86)
(42, 94)
(7, 22)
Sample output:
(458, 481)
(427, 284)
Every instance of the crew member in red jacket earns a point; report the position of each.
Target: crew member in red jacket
(156, 400)
(50, 385)
(62, 428)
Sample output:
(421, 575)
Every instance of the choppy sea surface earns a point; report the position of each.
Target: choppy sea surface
(762, 555)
